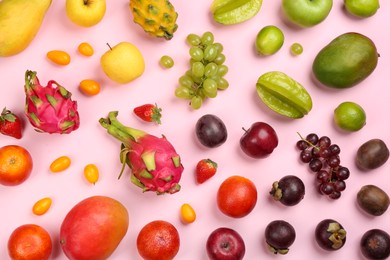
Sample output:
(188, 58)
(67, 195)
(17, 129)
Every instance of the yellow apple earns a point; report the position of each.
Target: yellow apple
(85, 13)
(123, 63)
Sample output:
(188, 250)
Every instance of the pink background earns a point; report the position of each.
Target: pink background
(238, 106)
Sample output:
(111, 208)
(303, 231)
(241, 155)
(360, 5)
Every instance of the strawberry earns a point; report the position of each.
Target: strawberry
(205, 169)
(149, 113)
(10, 124)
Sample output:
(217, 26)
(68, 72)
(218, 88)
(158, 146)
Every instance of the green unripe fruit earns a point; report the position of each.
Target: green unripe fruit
(349, 116)
(345, 61)
(269, 40)
(296, 49)
(167, 62)
(283, 94)
(362, 8)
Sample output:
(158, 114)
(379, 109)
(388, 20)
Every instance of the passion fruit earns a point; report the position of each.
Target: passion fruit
(375, 244)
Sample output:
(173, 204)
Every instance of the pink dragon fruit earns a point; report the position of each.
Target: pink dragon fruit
(154, 163)
(49, 109)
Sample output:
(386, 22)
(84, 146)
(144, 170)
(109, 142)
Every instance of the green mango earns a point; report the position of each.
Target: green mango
(20, 21)
(346, 61)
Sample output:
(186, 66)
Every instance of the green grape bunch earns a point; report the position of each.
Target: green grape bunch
(207, 70)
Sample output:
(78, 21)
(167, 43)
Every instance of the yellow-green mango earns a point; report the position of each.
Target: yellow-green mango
(20, 21)
(346, 61)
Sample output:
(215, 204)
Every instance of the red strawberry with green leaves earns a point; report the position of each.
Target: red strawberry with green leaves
(149, 113)
(205, 169)
(10, 124)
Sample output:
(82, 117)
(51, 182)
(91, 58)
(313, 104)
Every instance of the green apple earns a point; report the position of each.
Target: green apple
(362, 8)
(123, 63)
(306, 13)
(85, 13)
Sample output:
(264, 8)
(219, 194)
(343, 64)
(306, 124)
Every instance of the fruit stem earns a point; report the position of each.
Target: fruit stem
(109, 46)
(312, 145)
(119, 131)
(29, 80)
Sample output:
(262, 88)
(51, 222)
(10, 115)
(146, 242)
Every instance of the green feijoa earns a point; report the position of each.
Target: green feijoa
(283, 94)
(345, 61)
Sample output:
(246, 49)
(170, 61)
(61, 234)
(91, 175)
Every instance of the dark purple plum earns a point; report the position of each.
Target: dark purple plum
(375, 244)
(211, 131)
(330, 235)
(289, 190)
(279, 235)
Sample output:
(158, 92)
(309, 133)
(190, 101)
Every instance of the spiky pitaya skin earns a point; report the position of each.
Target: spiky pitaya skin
(50, 109)
(162, 175)
(154, 162)
(157, 18)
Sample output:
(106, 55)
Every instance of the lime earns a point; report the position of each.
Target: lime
(234, 11)
(269, 40)
(349, 116)
(362, 8)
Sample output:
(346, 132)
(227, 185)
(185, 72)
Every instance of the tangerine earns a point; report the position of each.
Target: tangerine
(30, 242)
(158, 240)
(236, 196)
(15, 165)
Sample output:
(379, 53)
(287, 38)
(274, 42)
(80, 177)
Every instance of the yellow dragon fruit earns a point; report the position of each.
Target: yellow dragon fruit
(156, 17)
(49, 109)
(154, 163)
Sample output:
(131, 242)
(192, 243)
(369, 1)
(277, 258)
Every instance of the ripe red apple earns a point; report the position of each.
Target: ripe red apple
(259, 140)
(225, 244)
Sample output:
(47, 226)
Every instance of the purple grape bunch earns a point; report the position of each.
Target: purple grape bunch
(323, 159)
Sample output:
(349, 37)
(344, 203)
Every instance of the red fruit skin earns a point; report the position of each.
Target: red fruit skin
(236, 196)
(158, 240)
(93, 228)
(225, 244)
(148, 113)
(16, 165)
(10, 124)
(165, 168)
(205, 169)
(259, 140)
(30, 241)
